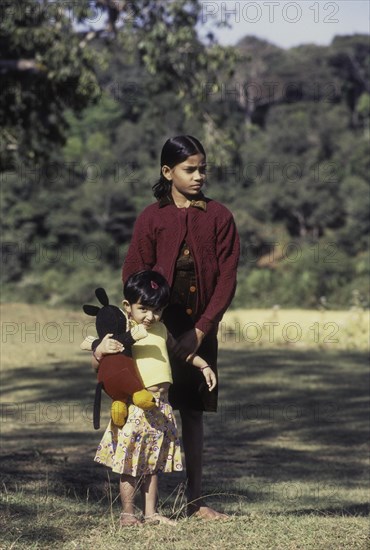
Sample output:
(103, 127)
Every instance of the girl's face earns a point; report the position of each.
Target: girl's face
(187, 177)
(143, 314)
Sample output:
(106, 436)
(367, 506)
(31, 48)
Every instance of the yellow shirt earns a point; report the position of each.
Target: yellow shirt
(151, 356)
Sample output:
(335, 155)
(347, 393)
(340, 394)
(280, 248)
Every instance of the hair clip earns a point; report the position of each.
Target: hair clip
(154, 285)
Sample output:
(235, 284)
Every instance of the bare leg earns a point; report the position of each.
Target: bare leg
(192, 438)
(127, 488)
(149, 490)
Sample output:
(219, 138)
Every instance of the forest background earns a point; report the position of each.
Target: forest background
(90, 92)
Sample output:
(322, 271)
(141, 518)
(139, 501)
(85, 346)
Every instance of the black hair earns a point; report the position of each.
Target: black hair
(148, 288)
(174, 151)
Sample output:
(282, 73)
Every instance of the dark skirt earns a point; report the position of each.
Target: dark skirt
(189, 389)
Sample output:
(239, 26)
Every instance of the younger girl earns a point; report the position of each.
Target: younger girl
(148, 443)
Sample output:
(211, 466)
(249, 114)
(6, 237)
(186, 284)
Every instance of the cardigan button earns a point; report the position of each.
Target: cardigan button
(186, 252)
(192, 288)
(189, 311)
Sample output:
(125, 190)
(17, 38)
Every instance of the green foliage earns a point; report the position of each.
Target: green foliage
(353, 236)
(363, 106)
(286, 132)
(87, 193)
(61, 75)
(313, 274)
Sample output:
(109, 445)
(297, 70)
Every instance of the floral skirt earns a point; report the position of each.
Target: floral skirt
(147, 444)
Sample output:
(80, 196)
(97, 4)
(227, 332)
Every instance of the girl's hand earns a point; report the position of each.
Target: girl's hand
(108, 345)
(138, 332)
(188, 343)
(210, 377)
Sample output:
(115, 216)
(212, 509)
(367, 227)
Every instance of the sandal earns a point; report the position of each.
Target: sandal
(157, 519)
(128, 520)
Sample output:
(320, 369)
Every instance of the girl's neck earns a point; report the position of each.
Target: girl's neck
(181, 201)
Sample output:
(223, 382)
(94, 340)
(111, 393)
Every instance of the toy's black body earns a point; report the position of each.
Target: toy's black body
(110, 320)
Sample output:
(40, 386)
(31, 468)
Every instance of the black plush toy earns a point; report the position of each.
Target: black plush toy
(117, 373)
(109, 320)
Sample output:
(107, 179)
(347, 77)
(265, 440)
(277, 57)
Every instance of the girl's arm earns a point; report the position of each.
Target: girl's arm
(228, 250)
(190, 340)
(141, 253)
(107, 345)
(196, 361)
(207, 371)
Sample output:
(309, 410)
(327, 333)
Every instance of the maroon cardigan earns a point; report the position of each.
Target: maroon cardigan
(214, 244)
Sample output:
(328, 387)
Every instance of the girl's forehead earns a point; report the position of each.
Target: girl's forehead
(141, 304)
(194, 160)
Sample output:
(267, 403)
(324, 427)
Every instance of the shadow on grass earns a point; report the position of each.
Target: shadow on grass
(354, 510)
(286, 419)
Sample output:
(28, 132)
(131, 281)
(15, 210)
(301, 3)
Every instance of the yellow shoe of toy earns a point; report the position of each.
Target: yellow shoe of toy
(119, 413)
(144, 399)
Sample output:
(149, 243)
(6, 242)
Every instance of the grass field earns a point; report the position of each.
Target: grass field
(286, 456)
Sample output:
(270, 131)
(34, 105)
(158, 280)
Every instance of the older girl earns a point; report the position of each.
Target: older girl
(192, 240)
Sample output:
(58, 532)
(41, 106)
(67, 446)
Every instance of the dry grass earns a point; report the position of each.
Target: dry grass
(286, 456)
(296, 329)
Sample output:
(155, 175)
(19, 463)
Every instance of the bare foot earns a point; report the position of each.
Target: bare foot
(205, 512)
(129, 520)
(157, 519)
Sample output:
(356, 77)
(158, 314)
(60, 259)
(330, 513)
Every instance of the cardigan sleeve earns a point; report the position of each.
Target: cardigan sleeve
(142, 250)
(228, 250)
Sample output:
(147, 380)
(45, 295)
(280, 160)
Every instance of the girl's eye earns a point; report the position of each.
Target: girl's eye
(202, 169)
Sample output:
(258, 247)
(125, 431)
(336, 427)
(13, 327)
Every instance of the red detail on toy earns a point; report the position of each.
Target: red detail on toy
(120, 376)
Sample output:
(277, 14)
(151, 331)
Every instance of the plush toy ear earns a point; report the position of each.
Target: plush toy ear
(91, 310)
(102, 296)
